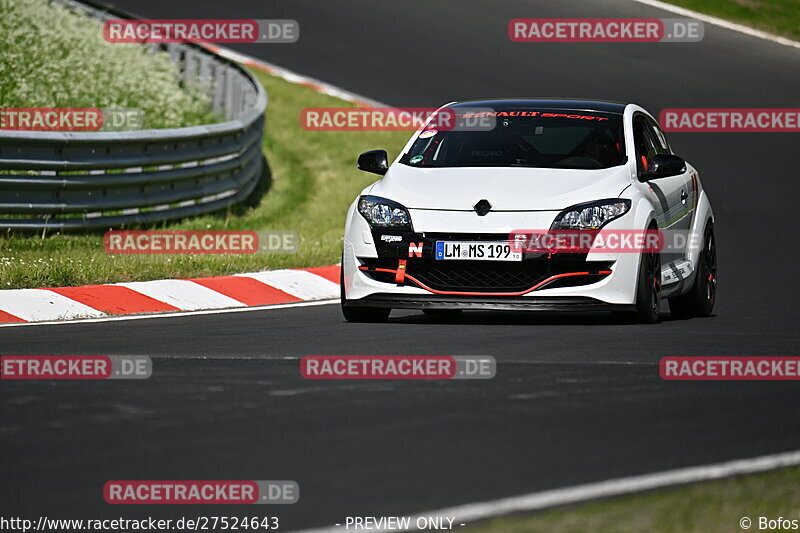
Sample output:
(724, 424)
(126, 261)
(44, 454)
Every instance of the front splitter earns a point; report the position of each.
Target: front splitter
(511, 303)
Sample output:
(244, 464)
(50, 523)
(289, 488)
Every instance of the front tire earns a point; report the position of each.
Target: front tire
(360, 314)
(699, 301)
(648, 291)
(366, 314)
(648, 288)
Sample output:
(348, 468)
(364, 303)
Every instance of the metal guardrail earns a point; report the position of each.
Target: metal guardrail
(98, 180)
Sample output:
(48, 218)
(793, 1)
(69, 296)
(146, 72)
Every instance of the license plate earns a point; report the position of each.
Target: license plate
(476, 251)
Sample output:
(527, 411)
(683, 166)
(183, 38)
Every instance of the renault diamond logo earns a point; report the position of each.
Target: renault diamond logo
(482, 207)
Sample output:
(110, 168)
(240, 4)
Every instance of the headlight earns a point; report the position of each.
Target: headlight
(383, 213)
(592, 215)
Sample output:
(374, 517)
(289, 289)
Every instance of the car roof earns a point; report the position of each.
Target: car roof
(603, 106)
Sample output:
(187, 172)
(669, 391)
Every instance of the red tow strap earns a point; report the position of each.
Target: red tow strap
(400, 275)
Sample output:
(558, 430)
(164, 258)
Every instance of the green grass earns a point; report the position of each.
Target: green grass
(781, 17)
(713, 507)
(51, 56)
(315, 180)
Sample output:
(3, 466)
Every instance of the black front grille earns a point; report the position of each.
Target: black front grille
(476, 276)
(481, 276)
(486, 276)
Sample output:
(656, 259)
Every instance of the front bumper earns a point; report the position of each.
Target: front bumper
(395, 275)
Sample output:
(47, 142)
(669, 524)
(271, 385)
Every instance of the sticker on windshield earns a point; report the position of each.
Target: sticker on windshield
(428, 133)
(416, 159)
(540, 114)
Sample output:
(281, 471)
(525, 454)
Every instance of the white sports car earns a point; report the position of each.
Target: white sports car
(438, 231)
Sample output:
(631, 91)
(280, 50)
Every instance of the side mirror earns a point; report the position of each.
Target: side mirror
(374, 161)
(663, 166)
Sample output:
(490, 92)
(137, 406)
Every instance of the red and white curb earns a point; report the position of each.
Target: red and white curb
(174, 296)
(170, 295)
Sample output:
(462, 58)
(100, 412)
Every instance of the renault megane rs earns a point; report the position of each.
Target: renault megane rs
(437, 232)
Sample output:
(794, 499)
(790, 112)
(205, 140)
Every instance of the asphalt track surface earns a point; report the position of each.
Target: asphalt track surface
(576, 399)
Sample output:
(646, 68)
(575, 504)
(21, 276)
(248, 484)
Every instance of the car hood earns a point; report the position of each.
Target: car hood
(507, 189)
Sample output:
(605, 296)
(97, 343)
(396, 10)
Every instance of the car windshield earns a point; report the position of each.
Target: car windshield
(539, 138)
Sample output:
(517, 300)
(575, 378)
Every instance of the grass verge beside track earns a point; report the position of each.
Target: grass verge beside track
(52, 56)
(314, 181)
(713, 507)
(781, 17)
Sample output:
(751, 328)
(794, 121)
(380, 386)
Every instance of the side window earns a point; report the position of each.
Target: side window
(661, 144)
(645, 148)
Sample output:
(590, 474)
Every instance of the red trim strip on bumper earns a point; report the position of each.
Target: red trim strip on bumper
(459, 293)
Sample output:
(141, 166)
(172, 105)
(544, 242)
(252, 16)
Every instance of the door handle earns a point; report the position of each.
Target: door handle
(684, 196)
